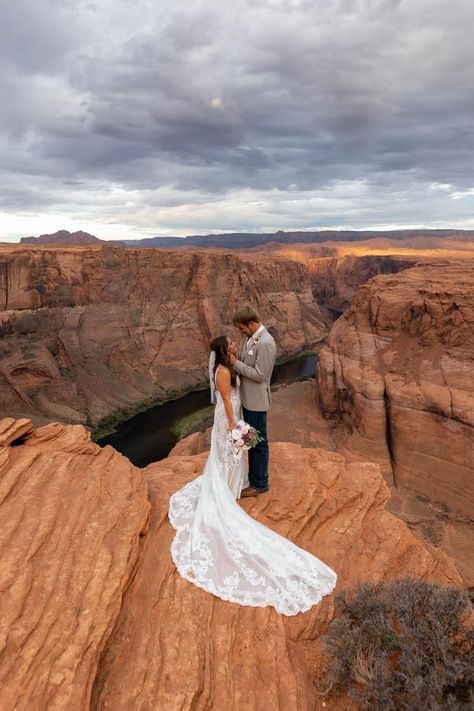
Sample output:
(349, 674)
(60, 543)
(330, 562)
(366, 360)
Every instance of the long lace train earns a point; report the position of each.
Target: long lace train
(222, 549)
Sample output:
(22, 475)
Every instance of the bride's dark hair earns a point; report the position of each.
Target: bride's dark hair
(220, 346)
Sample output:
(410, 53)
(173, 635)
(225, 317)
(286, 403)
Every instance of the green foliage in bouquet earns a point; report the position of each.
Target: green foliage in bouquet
(407, 644)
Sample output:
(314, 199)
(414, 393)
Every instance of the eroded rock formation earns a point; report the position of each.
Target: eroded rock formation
(71, 517)
(399, 369)
(334, 280)
(91, 332)
(193, 651)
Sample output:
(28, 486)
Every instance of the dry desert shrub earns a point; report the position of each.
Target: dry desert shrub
(407, 644)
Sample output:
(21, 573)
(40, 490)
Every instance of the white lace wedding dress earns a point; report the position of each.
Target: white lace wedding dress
(222, 549)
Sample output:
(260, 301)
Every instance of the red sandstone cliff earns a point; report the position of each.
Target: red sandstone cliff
(399, 369)
(337, 269)
(90, 332)
(334, 280)
(84, 606)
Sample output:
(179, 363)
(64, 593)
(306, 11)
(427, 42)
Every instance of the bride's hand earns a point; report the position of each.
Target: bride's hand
(231, 426)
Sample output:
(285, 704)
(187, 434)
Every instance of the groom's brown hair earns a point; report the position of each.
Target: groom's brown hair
(245, 315)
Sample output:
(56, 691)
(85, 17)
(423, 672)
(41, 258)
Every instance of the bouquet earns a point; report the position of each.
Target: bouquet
(244, 436)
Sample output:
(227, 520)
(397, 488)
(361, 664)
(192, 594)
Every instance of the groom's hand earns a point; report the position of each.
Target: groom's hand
(232, 358)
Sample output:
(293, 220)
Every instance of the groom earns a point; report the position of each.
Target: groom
(255, 366)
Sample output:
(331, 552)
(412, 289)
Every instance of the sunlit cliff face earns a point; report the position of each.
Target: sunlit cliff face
(89, 331)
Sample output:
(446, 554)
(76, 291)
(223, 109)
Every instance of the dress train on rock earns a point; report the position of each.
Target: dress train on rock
(223, 550)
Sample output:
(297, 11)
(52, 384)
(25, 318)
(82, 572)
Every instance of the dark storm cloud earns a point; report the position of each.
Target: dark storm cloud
(242, 115)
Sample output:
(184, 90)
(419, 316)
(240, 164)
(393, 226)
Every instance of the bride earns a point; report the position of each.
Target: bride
(217, 545)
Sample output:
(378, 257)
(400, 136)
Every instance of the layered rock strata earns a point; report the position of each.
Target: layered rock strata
(93, 618)
(399, 370)
(194, 651)
(71, 516)
(334, 280)
(93, 332)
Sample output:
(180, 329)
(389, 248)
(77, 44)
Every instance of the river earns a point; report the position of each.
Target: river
(151, 435)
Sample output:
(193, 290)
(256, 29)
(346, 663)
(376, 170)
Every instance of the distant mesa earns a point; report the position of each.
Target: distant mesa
(63, 237)
(249, 240)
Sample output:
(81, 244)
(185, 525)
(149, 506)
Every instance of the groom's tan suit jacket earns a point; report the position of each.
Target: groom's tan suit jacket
(255, 365)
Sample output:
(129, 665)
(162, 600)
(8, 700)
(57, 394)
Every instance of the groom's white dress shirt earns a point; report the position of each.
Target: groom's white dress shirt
(253, 338)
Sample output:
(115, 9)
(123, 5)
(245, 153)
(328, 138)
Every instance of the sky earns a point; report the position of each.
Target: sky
(136, 118)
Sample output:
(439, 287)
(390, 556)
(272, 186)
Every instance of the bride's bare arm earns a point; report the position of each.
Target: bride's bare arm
(224, 386)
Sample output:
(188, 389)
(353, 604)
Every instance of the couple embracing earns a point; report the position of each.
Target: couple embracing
(217, 545)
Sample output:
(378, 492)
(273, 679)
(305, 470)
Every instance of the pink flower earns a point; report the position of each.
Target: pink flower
(240, 443)
(245, 428)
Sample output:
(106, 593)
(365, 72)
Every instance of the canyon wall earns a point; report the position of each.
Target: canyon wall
(399, 370)
(337, 270)
(87, 333)
(94, 614)
(334, 280)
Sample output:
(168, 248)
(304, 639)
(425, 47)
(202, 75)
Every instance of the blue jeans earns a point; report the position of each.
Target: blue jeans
(259, 455)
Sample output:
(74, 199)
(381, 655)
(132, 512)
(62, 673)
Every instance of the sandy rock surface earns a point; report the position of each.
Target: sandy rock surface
(71, 516)
(191, 650)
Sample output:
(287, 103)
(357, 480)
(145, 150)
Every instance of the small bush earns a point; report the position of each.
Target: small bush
(407, 644)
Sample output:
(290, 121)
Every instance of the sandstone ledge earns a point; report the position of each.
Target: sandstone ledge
(93, 618)
(191, 650)
(70, 519)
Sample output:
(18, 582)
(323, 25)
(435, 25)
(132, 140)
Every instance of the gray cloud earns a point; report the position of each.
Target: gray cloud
(140, 117)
